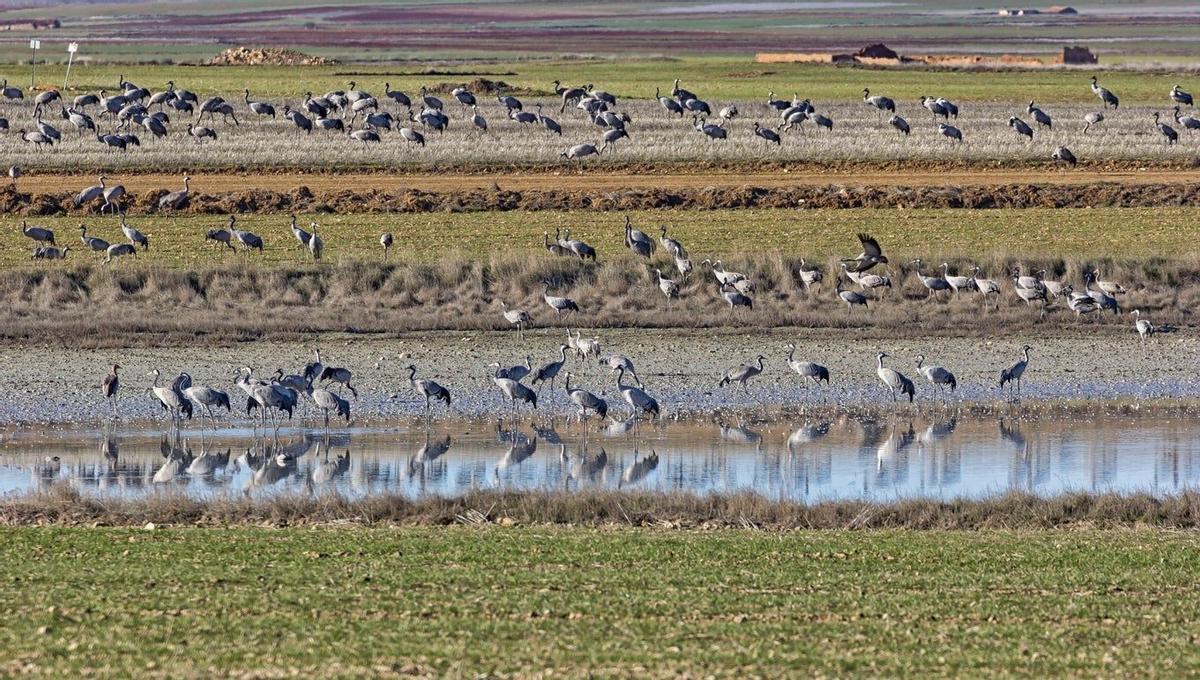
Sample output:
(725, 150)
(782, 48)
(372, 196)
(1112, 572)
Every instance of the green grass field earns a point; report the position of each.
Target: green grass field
(178, 242)
(568, 602)
(716, 79)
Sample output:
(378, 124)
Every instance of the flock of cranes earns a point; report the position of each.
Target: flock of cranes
(117, 119)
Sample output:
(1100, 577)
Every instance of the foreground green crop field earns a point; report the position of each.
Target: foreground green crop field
(178, 242)
(527, 602)
(716, 79)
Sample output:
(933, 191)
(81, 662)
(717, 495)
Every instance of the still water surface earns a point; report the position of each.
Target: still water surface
(805, 461)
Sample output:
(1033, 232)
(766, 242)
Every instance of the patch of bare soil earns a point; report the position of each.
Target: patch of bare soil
(496, 198)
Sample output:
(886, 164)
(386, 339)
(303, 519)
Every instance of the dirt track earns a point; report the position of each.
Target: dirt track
(607, 181)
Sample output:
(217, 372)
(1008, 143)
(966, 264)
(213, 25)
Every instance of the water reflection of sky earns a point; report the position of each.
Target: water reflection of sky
(814, 461)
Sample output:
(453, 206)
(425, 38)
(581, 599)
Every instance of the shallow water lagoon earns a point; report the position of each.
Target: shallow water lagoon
(877, 459)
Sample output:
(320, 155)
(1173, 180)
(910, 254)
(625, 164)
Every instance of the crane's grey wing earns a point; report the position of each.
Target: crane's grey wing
(870, 245)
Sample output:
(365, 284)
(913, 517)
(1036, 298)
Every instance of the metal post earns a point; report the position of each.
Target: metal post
(72, 48)
(34, 44)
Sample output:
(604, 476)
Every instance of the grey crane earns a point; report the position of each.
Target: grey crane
(709, 130)
(1180, 97)
(298, 119)
(412, 136)
(515, 392)
(1039, 116)
(809, 277)
(586, 401)
(92, 243)
(1091, 119)
(950, 132)
(479, 121)
(509, 102)
(581, 151)
(1011, 376)
(777, 104)
(672, 246)
(114, 140)
(365, 136)
(397, 96)
(767, 134)
(697, 106)
(201, 133)
(171, 398)
(85, 100)
(576, 247)
(208, 397)
(807, 370)
(558, 303)
(728, 113)
(822, 121)
(637, 399)
(742, 374)
(248, 239)
(316, 245)
(951, 107)
(900, 124)
(328, 401)
(1055, 288)
(49, 253)
(37, 139)
(220, 236)
(81, 121)
(427, 388)
(871, 255)
(668, 287)
(554, 247)
(47, 129)
(894, 380)
(38, 234)
(119, 250)
(684, 266)
(517, 372)
(46, 97)
(552, 125)
(385, 241)
(550, 371)
(1105, 96)
(136, 237)
(177, 200)
(1144, 328)
(1188, 123)
(335, 124)
(878, 101)
(1020, 127)
(735, 298)
(935, 108)
(90, 193)
(154, 126)
(671, 105)
(159, 99)
(1101, 297)
(572, 94)
(637, 241)
(958, 283)
(109, 387)
(517, 317)
(14, 172)
(850, 297)
(1166, 130)
(1063, 155)
(937, 376)
(985, 286)
(337, 375)
(932, 284)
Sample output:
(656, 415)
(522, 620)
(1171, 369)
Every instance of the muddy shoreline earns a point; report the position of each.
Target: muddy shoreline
(1080, 371)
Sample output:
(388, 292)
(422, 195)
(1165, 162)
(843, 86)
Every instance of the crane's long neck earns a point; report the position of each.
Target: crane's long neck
(562, 353)
(791, 352)
(412, 373)
(879, 359)
(621, 378)
(1026, 352)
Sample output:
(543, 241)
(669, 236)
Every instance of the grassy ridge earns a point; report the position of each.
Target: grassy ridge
(819, 234)
(714, 78)
(525, 601)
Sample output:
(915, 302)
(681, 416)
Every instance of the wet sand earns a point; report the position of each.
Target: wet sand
(680, 368)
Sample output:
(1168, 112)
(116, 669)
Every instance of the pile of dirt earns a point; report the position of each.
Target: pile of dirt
(269, 56)
(496, 199)
(477, 86)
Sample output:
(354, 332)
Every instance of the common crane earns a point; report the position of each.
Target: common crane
(517, 317)
(1105, 96)
(937, 376)
(709, 130)
(135, 236)
(517, 372)
(1144, 328)
(93, 243)
(427, 388)
(777, 104)
(109, 387)
(767, 134)
(119, 250)
(950, 132)
(742, 374)
(900, 124)
(586, 401)
(1180, 97)
(932, 284)
(1091, 119)
(581, 151)
(878, 101)
(1020, 127)
(637, 241)
(200, 133)
(557, 303)
(177, 200)
(248, 239)
(668, 287)
(958, 283)
(515, 392)
(850, 297)
(1188, 123)
(637, 399)
(1011, 376)
(549, 372)
(807, 370)
(935, 108)
(871, 255)
(735, 298)
(38, 234)
(576, 247)
(1063, 155)
(893, 380)
(671, 105)
(1166, 130)
(385, 241)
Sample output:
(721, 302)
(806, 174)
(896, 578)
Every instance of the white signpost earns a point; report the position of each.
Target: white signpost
(72, 48)
(34, 46)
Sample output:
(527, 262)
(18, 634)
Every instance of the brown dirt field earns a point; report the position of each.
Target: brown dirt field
(495, 197)
(649, 178)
